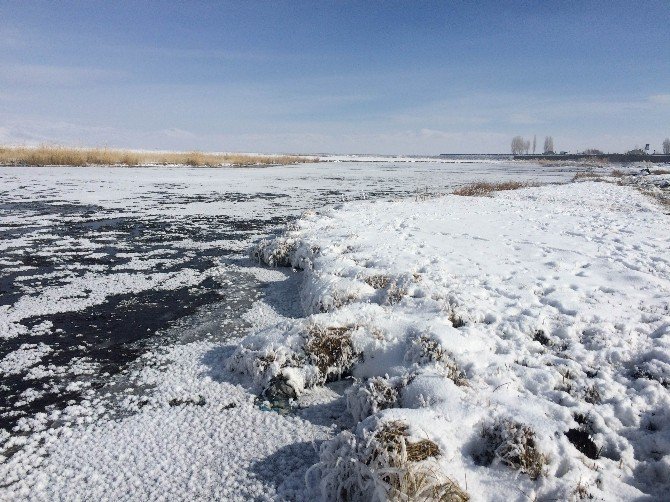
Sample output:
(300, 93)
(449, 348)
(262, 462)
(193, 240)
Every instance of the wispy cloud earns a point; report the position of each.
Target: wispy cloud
(524, 119)
(204, 53)
(505, 111)
(30, 74)
(660, 99)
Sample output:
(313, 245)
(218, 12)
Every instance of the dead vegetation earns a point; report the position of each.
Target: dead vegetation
(456, 320)
(395, 290)
(336, 300)
(582, 491)
(541, 337)
(374, 395)
(513, 444)
(425, 350)
(585, 174)
(275, 252)
(401, 466)
(590, 162)
(592, 395)
(395, 294)
(64, 156)
(383, 465)
(482, 188)
(392, 436)
(331, 350)
(377, 281)
(659, 197)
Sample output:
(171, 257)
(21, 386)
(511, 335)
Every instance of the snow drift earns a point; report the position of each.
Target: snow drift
(526, 335)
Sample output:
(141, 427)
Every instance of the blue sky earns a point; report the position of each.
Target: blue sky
(343, 77)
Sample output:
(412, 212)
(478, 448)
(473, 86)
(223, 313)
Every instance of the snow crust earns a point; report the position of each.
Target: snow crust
(546, 307)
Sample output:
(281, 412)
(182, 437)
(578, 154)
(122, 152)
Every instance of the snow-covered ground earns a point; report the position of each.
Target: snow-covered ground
(105, 404)
(535, 322)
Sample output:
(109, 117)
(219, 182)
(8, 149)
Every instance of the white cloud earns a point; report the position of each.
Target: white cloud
(524, 119)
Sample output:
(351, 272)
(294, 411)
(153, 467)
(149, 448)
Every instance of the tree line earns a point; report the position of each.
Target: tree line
(521, 145)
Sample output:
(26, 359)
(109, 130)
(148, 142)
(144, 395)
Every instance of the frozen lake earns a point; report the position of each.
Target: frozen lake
(101, 269)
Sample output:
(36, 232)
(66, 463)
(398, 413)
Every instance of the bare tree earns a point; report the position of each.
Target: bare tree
(526, 146)
(518, 145)
(534, 142)
(548, 144)
(666, 146)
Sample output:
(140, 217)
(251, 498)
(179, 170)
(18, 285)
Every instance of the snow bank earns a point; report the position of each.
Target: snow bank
(524, 334)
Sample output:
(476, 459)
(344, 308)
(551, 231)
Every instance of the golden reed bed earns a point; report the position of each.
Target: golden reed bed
(64, 156)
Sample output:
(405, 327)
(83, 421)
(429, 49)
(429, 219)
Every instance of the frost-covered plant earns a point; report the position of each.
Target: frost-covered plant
(513, 444)
(395, 293)
(331, 350)
(377, 281)
(456, 319)
(373, 395)
(263, 363)
(541, 337)
(482, 188)
(425, 350)
(654, 369)
(276, 252)
(284, 363)
(592, 394)
(333, 301)
(379, 465)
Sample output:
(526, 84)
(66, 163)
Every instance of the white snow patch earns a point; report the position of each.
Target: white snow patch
(545, 308)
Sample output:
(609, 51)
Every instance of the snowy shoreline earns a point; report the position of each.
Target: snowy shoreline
(525, 335)
(176, 422)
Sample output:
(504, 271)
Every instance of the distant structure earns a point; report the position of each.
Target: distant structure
(521, 146)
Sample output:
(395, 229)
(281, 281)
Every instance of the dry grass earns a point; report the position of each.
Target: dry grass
(584, 174)
(514, 445)
(395, 294)
(382, 464)
(658, 197)
(392, 437)
(64, 156)
(275, 252)
(378, 281)
(376, 394)
(331, 350)
(425, 350)
(660, 171)
(616, 173)
(483, 188)
(592, 395)
(401, 467)
(586, 162)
